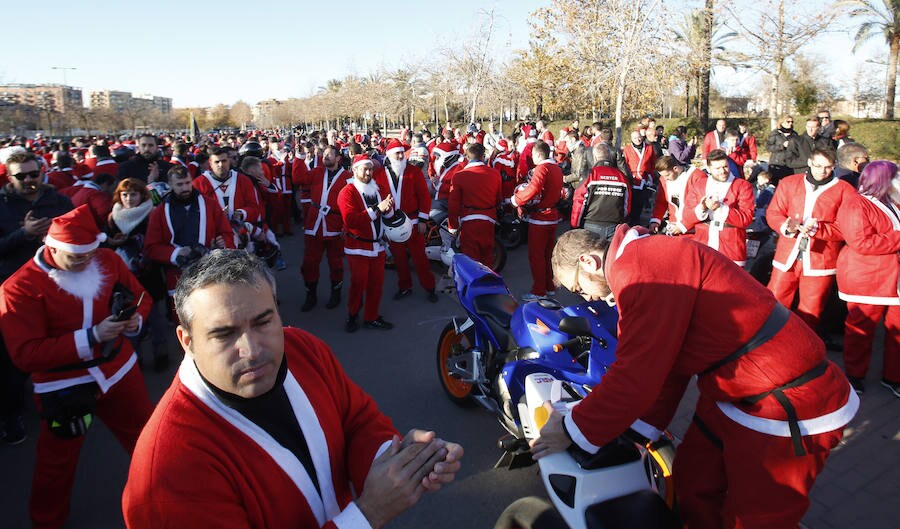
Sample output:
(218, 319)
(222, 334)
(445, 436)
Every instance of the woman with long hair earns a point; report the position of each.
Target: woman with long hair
(132, 204)
(867, 274)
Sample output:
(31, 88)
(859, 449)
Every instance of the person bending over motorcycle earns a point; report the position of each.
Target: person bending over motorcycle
(771, 406)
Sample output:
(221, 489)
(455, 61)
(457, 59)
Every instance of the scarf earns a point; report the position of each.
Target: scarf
(816, 183)
(128, 219)
(785, 131)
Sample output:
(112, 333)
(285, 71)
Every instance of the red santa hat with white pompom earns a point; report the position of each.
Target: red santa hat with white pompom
(75, 232)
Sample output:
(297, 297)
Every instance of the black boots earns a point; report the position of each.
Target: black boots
(311, 297)
(335, 298)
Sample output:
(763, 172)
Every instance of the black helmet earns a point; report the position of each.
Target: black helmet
(251, 148)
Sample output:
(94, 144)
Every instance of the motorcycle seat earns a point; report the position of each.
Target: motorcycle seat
(497, 311)
(644, 509)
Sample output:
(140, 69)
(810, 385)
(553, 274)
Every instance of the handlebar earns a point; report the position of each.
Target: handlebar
(578, 340)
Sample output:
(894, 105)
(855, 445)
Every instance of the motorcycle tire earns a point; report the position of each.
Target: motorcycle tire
(511, 237)
(499, 255)
(451, 344)
(660, 462)
(530, 512)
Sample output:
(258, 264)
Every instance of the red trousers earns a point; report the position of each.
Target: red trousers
(124, 409)
(313, 248)
(541, 239)
(476, 239)
(746, 480)
(366, 278)
(280, 213)
(813, 292)
(859, 334)
(413, 249)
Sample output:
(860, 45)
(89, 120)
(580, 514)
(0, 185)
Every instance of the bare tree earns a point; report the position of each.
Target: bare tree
(240, 114)
(775, 34)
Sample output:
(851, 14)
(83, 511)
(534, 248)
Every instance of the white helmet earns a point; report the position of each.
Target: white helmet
(397, 227)
(531, 202)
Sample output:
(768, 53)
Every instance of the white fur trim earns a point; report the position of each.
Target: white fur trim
(577, 436)
(869, 300)
(647, 430)
(395, 149)
(74, 248)
(351, 518)
(478, 216)
(824, 423)
(364, 162)
(82, 344)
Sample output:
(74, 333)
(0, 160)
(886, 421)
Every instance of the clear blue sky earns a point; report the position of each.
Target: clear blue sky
(193, 51)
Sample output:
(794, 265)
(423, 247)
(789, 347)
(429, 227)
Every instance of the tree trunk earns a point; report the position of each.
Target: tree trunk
(892, 77)
(687, 96)
(706, 64)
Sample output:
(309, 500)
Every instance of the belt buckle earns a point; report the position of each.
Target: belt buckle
(718, 224)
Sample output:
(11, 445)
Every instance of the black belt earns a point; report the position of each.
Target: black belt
(358, 238)
(94, 362)
(332, 211)
(778, 393)
(776, 320)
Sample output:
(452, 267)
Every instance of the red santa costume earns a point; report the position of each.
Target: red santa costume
(867, 278)
(61, 178)
(48, 317)
(164, 239)
(545, 186)
(192, 168)
(670, 198)
(236, 193)
(322, 223)
(407, 185)
(362, 243)
(299, 168)
(106, 166)
(99, 202)
(771, 406)
(525, 162)
(712, 141)
(280, 211)
(249, 480)
(444, 175)
(472, 208)
(806, 262)
(504, 160)
(724, 229)
(642, 163)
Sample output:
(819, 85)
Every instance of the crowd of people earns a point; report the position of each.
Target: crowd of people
(99, 235)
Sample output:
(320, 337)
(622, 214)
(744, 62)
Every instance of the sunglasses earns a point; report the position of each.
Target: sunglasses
(29, 174)
(576, 287)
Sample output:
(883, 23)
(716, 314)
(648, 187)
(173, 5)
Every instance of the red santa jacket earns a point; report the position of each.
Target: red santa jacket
(749, 141)
(159, 245)
(362, 225)
(100, 203)
(108, 166)
(192, 168)
(670, 197)
(711, 308)
(281, 174)
(607, 194)
(46, 315)
(506, 164)
(525, 162)
(740, 154)
(61, 178)
(411, 196)
(724, 229)
(249, 480)
(445, 179)
(794, 197)
(711, 142)
(642, 164)
(868, 266)
(299, 167)
(546, 187)
(236, 193)
(474, 195)
(324, 216)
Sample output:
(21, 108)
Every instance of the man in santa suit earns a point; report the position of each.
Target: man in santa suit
(670, 196)
(97, 194)
(280, 168)
(771, 405)
(234, 192)
(407, 186)
(641, 161)
(305, 160)
(504, 160)
(475, 194)
(714, 139)
(544, 191)
(57, 319)
(362, 205)
(804, 211)
(268, 422)
(719, 207)
(61, 175)
(525, 162)
(446, 164)
(181, 156)
(545, 134)
(183, 226)
(323, 227)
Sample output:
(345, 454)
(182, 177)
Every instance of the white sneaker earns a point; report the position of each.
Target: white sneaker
(530, 297)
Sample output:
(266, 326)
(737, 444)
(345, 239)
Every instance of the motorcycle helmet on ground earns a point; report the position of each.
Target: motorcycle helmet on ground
(397, 227)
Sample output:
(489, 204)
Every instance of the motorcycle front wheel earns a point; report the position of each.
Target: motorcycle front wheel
(450, 346)
(499, 255)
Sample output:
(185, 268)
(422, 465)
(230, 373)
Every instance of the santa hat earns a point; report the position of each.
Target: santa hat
(502, 145)
(529, 132)
(444, 148)
(361, 159)
(393, 146)
(75, 232)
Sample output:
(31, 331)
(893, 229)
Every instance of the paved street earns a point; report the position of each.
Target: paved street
(858, 490)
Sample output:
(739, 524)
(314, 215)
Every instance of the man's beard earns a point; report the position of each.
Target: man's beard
(369, 189)
(398, 166)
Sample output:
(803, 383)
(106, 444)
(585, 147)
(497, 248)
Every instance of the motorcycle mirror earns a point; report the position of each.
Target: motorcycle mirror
(575, 326)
